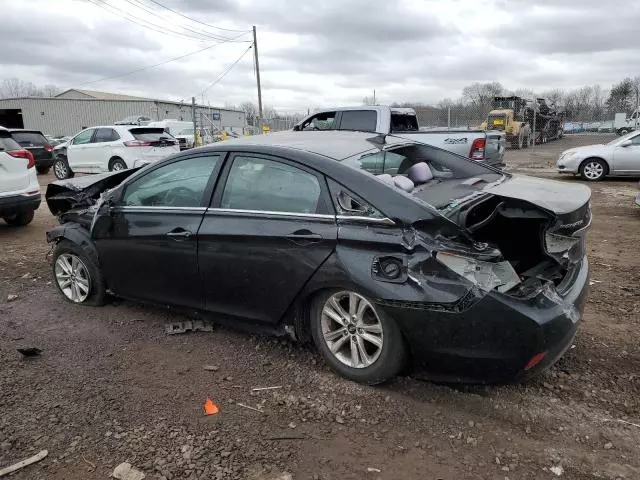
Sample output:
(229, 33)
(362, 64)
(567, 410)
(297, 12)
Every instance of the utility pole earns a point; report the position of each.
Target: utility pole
(193, 119)
(449, 118)
(374, 96)
(255, 53)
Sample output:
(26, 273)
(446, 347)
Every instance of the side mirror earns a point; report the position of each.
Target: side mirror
(296, 128)
(626, 143)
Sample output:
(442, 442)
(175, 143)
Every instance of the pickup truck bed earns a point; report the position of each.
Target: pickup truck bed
(486, 147)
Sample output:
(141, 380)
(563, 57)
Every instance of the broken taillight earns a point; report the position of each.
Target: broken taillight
(477, 149)
(31, 161)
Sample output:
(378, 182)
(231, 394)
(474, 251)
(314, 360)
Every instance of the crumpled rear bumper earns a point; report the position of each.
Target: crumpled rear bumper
(495, 339)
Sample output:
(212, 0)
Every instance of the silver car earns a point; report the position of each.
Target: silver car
(619, 157)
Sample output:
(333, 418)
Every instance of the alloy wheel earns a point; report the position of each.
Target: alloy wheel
(593, 170)
(60, 169)
(352, 329)
(117, 166)
(73, 277)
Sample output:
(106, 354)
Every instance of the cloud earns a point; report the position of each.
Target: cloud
(315, 54)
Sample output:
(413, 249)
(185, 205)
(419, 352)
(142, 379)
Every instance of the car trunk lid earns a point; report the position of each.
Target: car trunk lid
(153, 143)
(35, 142)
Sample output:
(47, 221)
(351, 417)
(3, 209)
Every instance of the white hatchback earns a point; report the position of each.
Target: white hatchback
(114, 147)
(19, 189)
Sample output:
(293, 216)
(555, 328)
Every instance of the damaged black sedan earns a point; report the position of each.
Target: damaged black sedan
(386, 253)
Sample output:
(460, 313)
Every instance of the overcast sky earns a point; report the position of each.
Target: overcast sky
(320, 53)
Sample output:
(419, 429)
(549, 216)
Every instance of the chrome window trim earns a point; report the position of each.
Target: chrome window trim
(157, 209)
(376, 221)
(213, 211)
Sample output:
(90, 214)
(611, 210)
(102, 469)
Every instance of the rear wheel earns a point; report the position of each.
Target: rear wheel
(593, 169)
(43, 170)
(61, 169)
(116, 164)
(357, 340)
(623, 131)
(20, 219)
(76, 275)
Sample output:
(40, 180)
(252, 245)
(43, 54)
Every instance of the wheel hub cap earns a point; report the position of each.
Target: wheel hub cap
(593, 170)
(352, 329)
(72, 277)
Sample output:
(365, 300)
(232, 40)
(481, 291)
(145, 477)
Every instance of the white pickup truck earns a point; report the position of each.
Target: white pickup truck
(479, 145)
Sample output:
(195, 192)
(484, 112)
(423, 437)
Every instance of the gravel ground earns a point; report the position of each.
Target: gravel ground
(111, 387)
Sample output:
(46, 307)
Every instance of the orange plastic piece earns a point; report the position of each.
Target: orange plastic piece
(210, 408)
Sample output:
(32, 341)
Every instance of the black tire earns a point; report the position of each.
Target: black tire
(391, 360)
(589, 169)
(116, 164)
(97, 289)
(61, 169)
(43, 170)
(20, 219)
(623, 131)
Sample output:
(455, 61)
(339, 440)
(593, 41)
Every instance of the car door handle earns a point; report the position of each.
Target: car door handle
(179, 234)
(304, 236)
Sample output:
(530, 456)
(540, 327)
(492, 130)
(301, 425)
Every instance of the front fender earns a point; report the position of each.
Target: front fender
(76, 234)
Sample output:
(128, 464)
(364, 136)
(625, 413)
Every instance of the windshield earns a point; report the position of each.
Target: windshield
(149, 134)
(186, 131)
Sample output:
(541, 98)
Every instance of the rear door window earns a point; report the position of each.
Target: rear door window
(360, 120)
(270, 186)
(29, 139)
(105, 135)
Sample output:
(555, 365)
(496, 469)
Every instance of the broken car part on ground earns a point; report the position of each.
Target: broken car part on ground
(381, 250)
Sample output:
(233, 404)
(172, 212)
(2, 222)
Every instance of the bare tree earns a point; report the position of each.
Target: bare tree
(50, 90)
(14, 87)
(250, 112)
(368, 101)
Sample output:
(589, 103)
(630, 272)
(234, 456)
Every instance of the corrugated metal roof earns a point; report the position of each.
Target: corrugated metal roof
(101, 95)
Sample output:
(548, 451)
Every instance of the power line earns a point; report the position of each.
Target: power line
(134, 19)
(143, 7)
(223, 74)
(149, 66)
(194, 20)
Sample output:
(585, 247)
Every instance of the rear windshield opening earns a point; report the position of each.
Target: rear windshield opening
(29, 139)
(404, 122)
(150, 134)
(433, 175)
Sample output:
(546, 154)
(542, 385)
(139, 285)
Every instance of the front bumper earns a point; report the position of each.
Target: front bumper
(495, 339)
(638, 199)
(19, 204)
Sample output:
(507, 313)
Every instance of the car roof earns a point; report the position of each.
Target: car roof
(333, 144)
(27, 130)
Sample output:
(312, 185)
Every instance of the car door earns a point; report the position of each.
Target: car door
(270, 227)
(148, 252)
(78, 155)
(319, 121)
(98, 152)
(626, 160)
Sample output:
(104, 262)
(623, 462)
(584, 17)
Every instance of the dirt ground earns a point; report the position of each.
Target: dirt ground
(110, 386)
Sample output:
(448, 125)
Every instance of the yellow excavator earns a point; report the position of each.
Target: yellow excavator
(510, 115)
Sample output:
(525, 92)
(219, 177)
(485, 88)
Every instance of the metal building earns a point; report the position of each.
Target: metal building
(73, 110)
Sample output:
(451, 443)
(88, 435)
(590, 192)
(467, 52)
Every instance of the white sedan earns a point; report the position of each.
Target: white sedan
(619, 157)
(113, 147)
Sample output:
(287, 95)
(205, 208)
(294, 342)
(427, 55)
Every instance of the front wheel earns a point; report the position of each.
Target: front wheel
(20, 219)
(358, 341)
(61, 169)
(593, 170)
(76, 275)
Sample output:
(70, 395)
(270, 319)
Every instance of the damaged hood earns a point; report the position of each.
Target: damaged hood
(557, 197)
(82, 192)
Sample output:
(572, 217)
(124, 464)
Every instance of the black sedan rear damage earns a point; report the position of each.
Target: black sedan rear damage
(476, 275)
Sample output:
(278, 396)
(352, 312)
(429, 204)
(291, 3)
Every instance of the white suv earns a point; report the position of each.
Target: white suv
(19, 188)
(114, 147)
